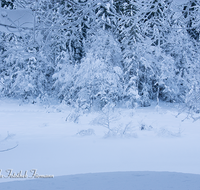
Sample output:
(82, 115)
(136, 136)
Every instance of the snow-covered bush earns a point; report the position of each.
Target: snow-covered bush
(163, 132)
(108, 117)
(87, 132)
(146, 127)
(121, 131)
(74, 116)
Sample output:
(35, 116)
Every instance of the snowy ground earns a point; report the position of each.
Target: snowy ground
(112, 181)
(48, 143)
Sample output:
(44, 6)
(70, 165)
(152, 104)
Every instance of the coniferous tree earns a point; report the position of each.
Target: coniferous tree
(191, 14)
(98, 80)
(145, 50)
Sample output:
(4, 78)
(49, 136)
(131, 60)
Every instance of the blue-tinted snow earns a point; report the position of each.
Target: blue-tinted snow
(112, 181)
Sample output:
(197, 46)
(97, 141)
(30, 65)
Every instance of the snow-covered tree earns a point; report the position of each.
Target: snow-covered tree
(99, 78)
(64, 78)
(191, 13)
(98, 52)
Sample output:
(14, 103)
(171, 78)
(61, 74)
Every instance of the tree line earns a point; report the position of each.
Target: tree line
(90, 53)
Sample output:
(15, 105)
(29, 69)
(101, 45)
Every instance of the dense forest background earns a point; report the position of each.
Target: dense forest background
(91, 53)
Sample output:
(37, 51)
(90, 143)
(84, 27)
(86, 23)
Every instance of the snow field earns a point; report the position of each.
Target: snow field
(50, 144)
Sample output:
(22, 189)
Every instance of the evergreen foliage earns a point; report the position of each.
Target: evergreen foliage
(93, 53)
